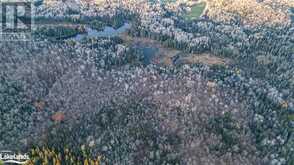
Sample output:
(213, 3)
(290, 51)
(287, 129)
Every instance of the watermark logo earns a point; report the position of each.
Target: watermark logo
(16, 20)
(9, 157)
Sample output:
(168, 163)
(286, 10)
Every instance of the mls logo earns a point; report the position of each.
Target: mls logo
(16, 20)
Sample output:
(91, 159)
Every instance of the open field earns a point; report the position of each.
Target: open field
(196, 11)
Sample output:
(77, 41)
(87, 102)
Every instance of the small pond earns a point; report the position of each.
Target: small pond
(149, 52)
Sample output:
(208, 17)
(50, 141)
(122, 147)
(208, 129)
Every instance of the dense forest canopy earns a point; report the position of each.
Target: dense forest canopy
(186, 82)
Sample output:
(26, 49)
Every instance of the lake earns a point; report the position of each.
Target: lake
(107, 32)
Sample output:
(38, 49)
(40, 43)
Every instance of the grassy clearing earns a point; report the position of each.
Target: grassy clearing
(207, 59)
(196, 11)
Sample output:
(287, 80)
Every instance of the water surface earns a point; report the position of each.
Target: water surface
(107, 32)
